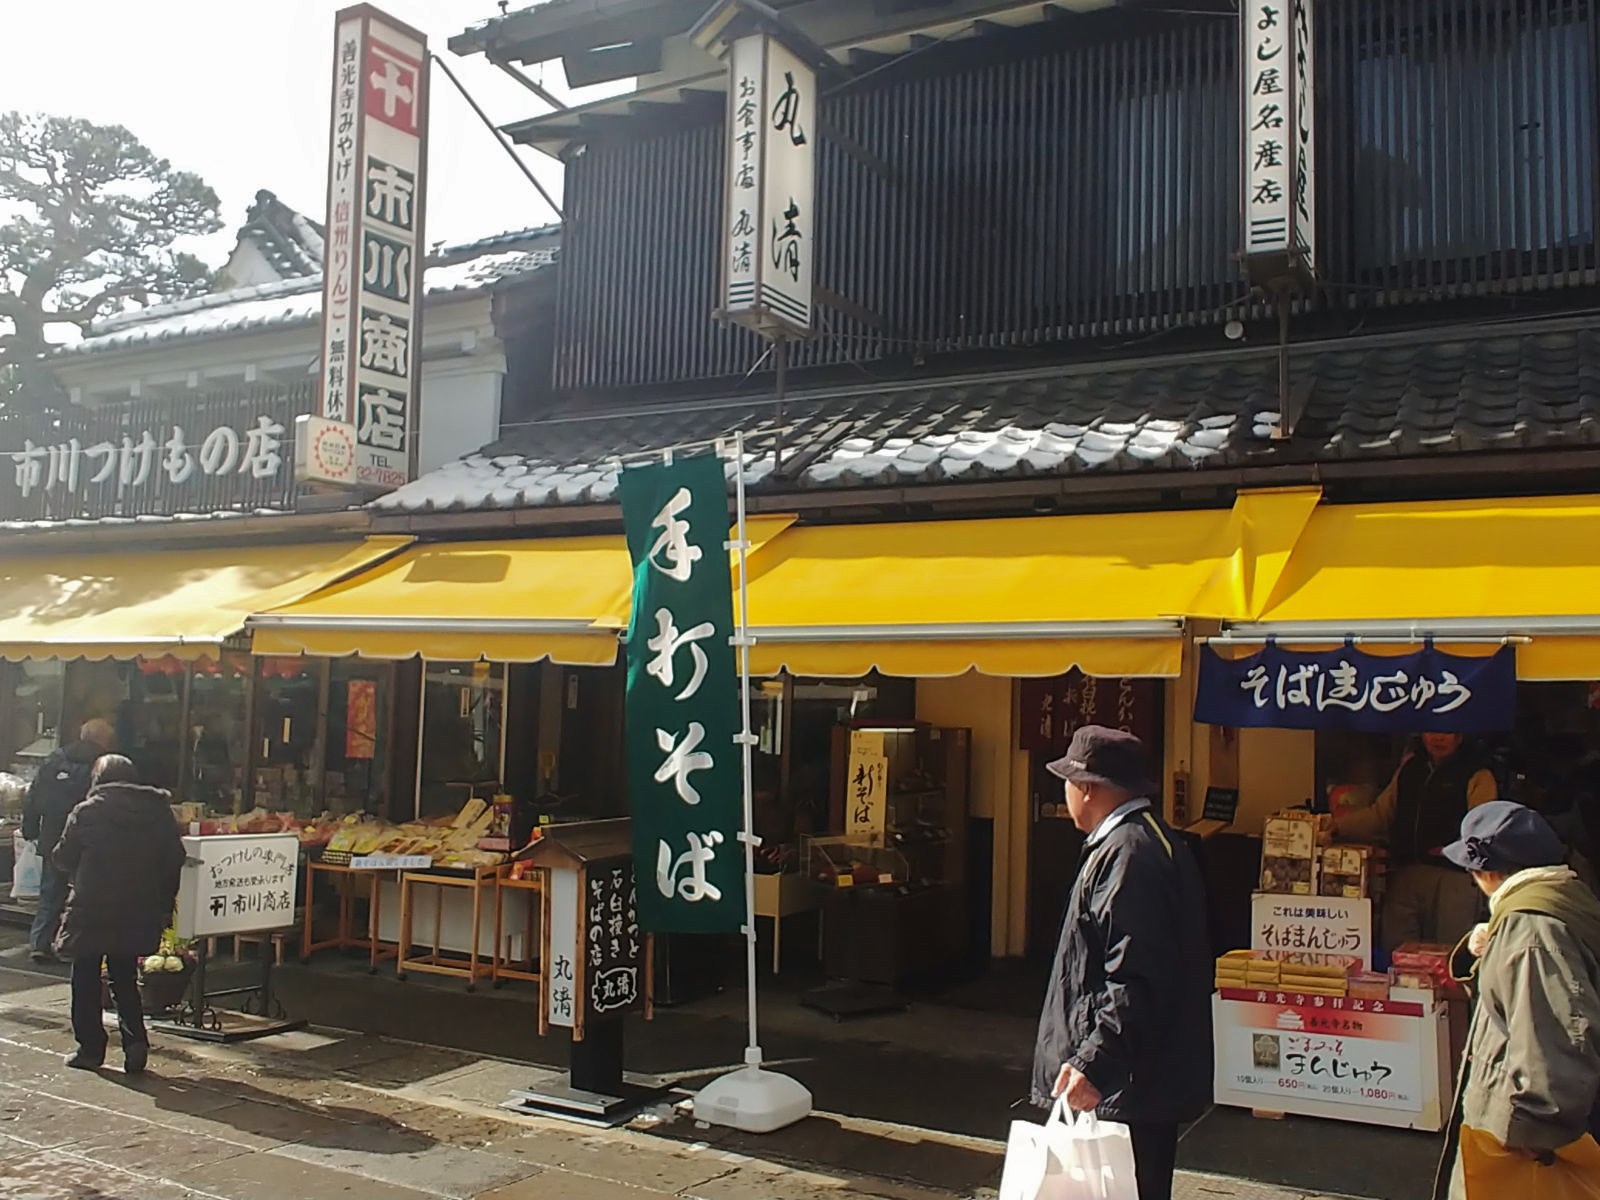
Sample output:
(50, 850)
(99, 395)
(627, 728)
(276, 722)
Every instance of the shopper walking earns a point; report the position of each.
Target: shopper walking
(1427, 899)
(58, 788)
(122, 851)
(1126, 1026)
(1529, 1091)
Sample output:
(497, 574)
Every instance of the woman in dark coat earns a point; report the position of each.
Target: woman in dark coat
(122, 851)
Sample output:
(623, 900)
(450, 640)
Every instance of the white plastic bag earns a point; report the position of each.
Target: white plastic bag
(26, 868)
(1080, 1158)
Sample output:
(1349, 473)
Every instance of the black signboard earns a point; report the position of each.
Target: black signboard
(1222, 804)
(612, 983)
(201, 453)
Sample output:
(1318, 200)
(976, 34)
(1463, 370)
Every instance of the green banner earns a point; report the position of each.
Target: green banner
(685, 777)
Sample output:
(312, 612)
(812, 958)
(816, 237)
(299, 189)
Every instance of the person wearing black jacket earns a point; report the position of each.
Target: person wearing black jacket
(122, 850)
(1126, 1026)
(58, 788)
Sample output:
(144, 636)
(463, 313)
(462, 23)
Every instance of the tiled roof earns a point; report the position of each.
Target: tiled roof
(289, 241)
(290, 302)
(1362, 400)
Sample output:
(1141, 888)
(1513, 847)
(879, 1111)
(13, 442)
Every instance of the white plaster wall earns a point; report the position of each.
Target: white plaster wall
(460, 412)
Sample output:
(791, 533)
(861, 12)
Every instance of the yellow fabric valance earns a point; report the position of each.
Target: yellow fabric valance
(518, 600)
(1467, 569)
(1026, 596)
(185, 603)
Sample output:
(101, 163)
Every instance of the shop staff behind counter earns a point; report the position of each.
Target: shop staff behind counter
(1418, 814)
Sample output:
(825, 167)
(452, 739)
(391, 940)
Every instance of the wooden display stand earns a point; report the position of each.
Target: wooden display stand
(480, 881)
(503, 967)
(345, 880)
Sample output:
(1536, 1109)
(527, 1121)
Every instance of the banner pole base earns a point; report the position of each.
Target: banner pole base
(752, 1099)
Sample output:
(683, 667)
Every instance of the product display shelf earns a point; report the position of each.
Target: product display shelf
(502, 965)
(472, 966)
(348, 882)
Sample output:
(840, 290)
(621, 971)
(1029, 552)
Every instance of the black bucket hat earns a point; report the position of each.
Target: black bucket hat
(1099, 754)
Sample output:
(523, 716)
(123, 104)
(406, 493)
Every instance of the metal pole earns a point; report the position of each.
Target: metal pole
(780, 366)
(752, 1056)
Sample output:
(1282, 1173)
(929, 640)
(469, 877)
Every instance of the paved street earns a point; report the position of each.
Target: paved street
(320, 1114)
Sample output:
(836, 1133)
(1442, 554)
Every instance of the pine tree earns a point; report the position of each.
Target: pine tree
(92, 218)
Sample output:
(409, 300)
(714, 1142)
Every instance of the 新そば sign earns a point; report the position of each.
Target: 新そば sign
(1427, 691)
(682, 706)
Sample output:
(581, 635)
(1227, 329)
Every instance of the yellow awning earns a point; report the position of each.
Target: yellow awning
(521, 600)
(185, 603)
(1454, 569)
(1027, 596)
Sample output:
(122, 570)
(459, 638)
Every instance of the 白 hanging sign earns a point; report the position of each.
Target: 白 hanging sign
(1429, 691)
(769, 230)
(373, 251)
(682, 705)
(1277, 122)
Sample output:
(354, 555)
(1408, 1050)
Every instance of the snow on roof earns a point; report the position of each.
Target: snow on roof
(291, 302)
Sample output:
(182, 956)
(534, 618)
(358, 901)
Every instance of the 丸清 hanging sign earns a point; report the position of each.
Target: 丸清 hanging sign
(373, 251)
(1277, 118)
(769, 190)
(682, 704)
(1347, 688)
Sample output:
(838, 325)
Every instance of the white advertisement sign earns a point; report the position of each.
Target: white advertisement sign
(1329, 1056)
(372, 302)
(770, 190)
(1312, 925)
(561, 972)
(1277, 121)
(240, 883)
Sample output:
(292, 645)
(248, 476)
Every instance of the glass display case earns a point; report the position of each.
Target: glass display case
(359, 696)
(857, 861)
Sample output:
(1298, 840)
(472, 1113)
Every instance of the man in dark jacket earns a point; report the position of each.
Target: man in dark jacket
(123, 853)
(1126, 1026)
(58, 788)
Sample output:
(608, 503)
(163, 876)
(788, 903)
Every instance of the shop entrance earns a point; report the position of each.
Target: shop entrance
(1052, 710)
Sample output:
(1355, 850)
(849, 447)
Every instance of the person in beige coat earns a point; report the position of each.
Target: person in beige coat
(1530, 1079)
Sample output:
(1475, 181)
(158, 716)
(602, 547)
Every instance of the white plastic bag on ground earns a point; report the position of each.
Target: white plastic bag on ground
(26, 868)
(1068, 1158)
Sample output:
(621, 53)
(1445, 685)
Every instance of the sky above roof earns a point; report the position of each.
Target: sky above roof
(238, 92)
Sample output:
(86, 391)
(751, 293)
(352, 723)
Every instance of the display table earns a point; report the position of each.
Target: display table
(503, 965)
(478, 885)
(345, 880)
(1375, 1062)
(780, 896)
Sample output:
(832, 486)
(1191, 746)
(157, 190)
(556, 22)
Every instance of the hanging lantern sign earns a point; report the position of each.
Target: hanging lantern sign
(769, 192)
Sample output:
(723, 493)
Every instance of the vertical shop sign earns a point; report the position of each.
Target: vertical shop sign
(867, 786)
(1277, 124)
(682, 706)
(373, 249)
(613, 955)
(361, 718)
(1054, 709)
(769, 195)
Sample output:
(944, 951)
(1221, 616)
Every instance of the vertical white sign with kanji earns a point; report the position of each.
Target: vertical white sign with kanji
(770, 188)
(373, 257)
(1277, 124)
